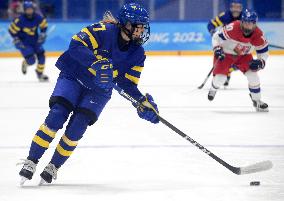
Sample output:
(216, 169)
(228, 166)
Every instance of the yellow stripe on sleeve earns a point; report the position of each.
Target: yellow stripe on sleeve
(15, 27)
(69, 142)
(43, 24)
(47, 131)
(12, 30)
(219, 21)
(92, 71)
(214, 23)
(41, 142)
(75, 37)
(92, 38)
(132, 78)
(62, 151)
(115, 73)
(137, 68)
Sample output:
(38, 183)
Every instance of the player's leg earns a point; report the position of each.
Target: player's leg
(86, 114)
(220, 73)
(29, 58)
(253, 83)
(41, 64)
(62, 103)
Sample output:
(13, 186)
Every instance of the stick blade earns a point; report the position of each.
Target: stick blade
(257, 167)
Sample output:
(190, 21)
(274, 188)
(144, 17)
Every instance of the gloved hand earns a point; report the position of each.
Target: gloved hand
(18, 43)
(149, 110)
(102, 71)
(41, 38)
(256, 64)
(219, 53)
(212, 31)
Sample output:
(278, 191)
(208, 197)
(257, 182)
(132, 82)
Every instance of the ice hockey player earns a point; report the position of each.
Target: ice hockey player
(26, 38)
(98, 56)
(233, 45)
(224, 18)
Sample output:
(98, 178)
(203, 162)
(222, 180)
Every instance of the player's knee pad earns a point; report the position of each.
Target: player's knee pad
(30, 59)
(253, 81)
(78, 124)
(41, 57)
(60, 109)
(219, 80)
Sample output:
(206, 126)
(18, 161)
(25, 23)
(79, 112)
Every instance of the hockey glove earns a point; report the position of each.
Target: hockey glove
(219, 53)
(102, 72)
(149, 110)
(41, 38)
(256, 64)
(18, 43)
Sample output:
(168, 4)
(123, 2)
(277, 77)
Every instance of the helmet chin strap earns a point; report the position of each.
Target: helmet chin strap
(247, 32)
(129, 34)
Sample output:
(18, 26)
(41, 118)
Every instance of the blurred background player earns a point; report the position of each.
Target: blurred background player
(224, 18)
(233, 45)
(98, 55)
(24, 31)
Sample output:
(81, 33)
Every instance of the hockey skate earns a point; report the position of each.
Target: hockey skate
(49, 173)
(27, 171)
(226, 84)
(24, 67)
(42, 77)
(259, 105)
(211, 94)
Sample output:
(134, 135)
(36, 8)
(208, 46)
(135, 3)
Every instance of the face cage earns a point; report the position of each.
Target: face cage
(247, 32)
(144, 36)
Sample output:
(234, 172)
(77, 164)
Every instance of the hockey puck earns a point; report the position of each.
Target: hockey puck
(254, 183)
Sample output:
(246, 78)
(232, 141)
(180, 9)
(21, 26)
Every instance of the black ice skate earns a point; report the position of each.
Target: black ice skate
(24, 67)
(227, 81)
(42, 77)
(259, 105)
(49, 173)
(27, 171)
(211, 94)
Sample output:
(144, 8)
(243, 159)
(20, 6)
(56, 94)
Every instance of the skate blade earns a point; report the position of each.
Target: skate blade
(262, 110)
(23, 180)
(42, 182)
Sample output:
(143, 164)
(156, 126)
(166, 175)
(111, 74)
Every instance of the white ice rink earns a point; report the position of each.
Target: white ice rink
(123, 158)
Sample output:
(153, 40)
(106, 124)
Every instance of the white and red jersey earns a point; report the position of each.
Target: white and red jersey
(233, 41)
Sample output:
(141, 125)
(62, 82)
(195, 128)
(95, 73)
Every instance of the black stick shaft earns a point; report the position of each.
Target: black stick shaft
(276, 46)
(207, 77)
(182, 134)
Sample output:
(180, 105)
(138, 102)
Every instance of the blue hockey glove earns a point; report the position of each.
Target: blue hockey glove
(18, 43)
(256, 64)
(103, 73)
(41, 38)
(149, 110)
(219, 53)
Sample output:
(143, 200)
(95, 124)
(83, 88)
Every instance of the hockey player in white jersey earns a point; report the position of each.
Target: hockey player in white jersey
(233, 46)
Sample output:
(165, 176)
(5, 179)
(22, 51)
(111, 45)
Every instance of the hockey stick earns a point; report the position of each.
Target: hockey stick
(257, 167)
(207, 77)
(276, 46)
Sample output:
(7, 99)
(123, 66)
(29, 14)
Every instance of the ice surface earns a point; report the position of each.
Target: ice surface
(125, 158)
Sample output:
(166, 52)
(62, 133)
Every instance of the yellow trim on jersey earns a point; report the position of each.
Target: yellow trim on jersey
(221, 14)
(214, 23)
(115, 73)
(62, 151)
(41, 142)
(91, 37)
(219, 21)
(14, 26)
(12, 30)
(69, 142)
(132, 78)
(47, 130)
(75, 37)
(92, 71)
(29, 31)
(137, 68)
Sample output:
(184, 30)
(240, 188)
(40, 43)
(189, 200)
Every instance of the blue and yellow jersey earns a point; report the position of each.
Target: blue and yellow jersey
(98, 41)
(222, 19)
(27, 29)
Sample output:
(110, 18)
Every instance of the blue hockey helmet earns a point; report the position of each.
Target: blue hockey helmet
(236, 1)
(249, 16)
(248, 22)
(28, 4)
(134, 14)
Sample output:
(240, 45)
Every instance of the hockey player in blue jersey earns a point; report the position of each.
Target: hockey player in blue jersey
(28, 41)
(99, 56)
(224, 18)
